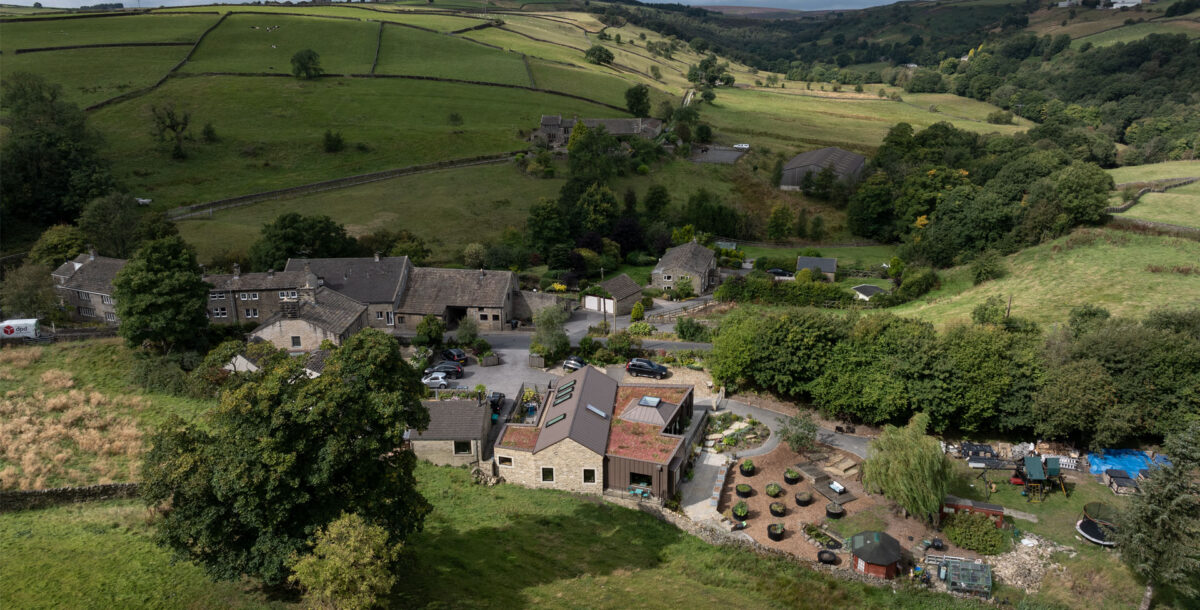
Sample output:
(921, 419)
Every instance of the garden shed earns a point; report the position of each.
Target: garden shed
(875, 554)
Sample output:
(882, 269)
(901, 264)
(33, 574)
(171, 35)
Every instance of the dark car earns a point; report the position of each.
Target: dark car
(496, 401)
(453, 370)
(779, 273)
(640, 367)
(455, 355)
(574, 363)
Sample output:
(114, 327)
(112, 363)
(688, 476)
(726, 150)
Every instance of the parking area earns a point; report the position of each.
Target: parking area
(715, 154)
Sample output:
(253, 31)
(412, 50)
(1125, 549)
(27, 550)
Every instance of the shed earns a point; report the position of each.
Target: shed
(875, 554)
(971, 577)
(864, 292)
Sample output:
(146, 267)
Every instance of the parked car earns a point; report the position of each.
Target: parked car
(496, 401)
(779, 273)
(742, 146)
(640, 367)
(453, 370)
(436, 380)
(455, 354)
(574, 363)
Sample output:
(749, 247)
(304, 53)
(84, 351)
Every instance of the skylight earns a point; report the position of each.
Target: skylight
(597, 411)
(561, 398)
(566, 386)
(555, 420)
(649, 401)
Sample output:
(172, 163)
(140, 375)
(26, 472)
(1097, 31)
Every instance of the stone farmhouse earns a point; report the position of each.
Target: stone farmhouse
(84, 287)
(847, 166)
(690, 262)
(554, 131)
(592, 434)
(457, 432)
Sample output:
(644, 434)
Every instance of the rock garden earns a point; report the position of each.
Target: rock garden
(731, 432)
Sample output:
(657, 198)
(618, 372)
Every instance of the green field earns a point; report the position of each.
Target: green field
(867, 255)
(271, 131)
(1177, 206)
(1138, 31)
(520, 44)
(136, 28)
(242, 43)
(1100, 267)
(1155, 171)
(89, 76)
(414, 52)
(442, 23)
(795, 121)
(592, 85)
(499, 547)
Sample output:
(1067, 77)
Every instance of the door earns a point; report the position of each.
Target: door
(390, 318)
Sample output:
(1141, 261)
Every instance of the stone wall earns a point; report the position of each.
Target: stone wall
(12, 501)
(527, 302)
(568, 459)
(280, 335)
(442, 453)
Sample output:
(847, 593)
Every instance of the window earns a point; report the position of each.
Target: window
(495, 317)
(110, 316)
(400, 319)
(220, 312)
(483, 317)
(462, 447)
(287, 294)
(252, 313)
(589, 475)
(295, 341)
(642, 480)
(547, 475)
(479, 309)
(504, 461)
(666, 278)
(245, 296)
(862, 565)
(87, 312)
(83, 296)
(107, 300)
(379, 315)
(216, 296)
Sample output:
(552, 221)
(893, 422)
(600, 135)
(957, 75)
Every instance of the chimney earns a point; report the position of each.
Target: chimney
(377, 256)
(270, 273)
(237, 271)
(91, 253)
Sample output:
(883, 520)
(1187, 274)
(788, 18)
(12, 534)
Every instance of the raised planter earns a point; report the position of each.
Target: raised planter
(791, 477)
(775, 531)
(833, 510)
(492, 360)
(741, 511)
(536, 362)
(743, 490)
(778, 509)
(774, 490)
(746, 468)
(803, 498)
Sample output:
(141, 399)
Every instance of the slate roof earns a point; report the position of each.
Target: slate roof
(431, 291)
(868, 290)
(365, 279)
(621, 287)
(582, 425)
(875, 548)
(647, 127)
(330, 310)
(690, 257)
(843, 162)
(822, 264)
(316, 361)
(551, 120)
(276, 280)
(452, 420)
(88, 273)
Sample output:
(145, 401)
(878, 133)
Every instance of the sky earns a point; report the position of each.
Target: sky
(799, 5)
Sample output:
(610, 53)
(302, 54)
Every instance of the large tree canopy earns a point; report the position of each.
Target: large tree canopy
(161, 295)
(285, 455)
(909, 467)
(292, 235)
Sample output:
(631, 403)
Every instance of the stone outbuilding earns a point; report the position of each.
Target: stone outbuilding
(457, 432)
(876, 554)
(690, 262)
(554, 131)
(485, 296)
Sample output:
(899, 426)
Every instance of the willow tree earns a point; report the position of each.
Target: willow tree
(909, 467)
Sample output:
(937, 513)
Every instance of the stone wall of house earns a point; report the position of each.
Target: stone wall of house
(377, 314)
(12, 501)
(80, 305)
(442, 453)
(496, 318)
(527, 302)
(242, 306)
(280, 335)
(660, 280)
(568, 459)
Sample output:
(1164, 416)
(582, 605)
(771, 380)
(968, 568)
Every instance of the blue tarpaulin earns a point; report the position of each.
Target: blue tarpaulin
(1129, 460)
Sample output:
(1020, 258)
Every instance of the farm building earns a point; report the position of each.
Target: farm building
(318, 314)
(846, 166)
(875, 554)
(819, 265)
(554, 130)
(689, 262)
(456, 433)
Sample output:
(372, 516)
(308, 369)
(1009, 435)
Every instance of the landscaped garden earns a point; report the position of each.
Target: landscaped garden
(731, 432)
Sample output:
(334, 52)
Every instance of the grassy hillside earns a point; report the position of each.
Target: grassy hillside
(1178, 206)
(1100, 267)
(415, 52)
(1155, 171)
(243, 43)
(138, 28)
(1138, 31)
(501, 547)
(90, 76)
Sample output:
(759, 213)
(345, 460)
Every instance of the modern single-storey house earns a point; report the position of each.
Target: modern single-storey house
(864, 292)
(625, 294)
(456, 433)
(875, 554)
(689, 262)
(85, 288)
(847, 167)
(592, 434)
(818, 264)
(554, 131)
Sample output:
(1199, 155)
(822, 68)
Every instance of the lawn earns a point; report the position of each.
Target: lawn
(271, 130)
(800, 122)
(1089, 267)
(414, 52)
(501, 547)
(90, 76)
(70, 415)
(243, 43)
(136, 28)
(1155, 171)
(1179, 206)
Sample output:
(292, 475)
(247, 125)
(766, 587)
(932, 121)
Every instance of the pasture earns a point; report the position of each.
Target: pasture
(1100, 267)
(133, 28)
(1177, 206)
(592, 85)
(415, 52)
(90, 76)
(441, 23)
(1138, 31)
(252, 43)
(1155, 171)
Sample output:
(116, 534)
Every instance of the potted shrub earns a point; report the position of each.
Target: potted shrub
(747, 468)
(779, 509)
(833, 510)
(791, 476)
(774, 490)
(775, 531)
(803, 498)
(743, 490)
(741, 510)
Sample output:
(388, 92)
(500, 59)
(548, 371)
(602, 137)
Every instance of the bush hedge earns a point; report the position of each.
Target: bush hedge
(975, 532)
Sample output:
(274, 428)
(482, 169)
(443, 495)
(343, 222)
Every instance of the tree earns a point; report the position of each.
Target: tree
(1078, 400)
(637, 100)
(802, 223)
(638, 313)
(708, 95)
(350, 566)
(292, 235)
(283, 456)
(58, 244)
(473, 255)
(112, 225)
(1159, 533)
(430, 331)
(52, 164)
(779, 225)
(598, 55)
(704, 133)
(598, 207)
(468, 331)
(396, 243)
(306, 64)
(1082, 190)
(816, 228)
(28, 292)
(161, 296)
(909, 468)
(333, 141)
(799, 432)
(777, 173)
(656, 201)
(171, 123)
(549, 338)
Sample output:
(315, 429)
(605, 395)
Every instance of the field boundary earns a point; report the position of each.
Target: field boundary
(529, 70)
(15, 501)
(102, 45)
(378, 44)
(486, 84)
(1154, 227)
(73, 16)
(1158, 186)
(199, 209)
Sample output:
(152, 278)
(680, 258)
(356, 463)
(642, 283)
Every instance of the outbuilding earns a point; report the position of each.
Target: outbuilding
(875, 554)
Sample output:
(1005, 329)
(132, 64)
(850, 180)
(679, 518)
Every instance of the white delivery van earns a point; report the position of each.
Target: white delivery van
(20, 329)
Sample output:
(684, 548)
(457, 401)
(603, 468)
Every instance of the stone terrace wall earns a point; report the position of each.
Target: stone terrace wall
(13, 501)
(527, 302)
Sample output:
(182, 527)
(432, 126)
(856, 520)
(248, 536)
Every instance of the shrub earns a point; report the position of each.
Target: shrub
(987, 266)
(689, 329)
(350, 565)
(641, 329)
(917, 281)
(743, 488)
(468, 331)
(639, 312)
(1000, 117)
(588, 346)
(787, 263)
(481, 346)
(605, 356)
(624, 344)
(791, 473)
(333, 141)
(975, 532)
(774, 490)
(748, 465)
(430, 331)
(741, 510)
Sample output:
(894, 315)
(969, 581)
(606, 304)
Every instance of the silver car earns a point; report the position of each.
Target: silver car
(436, 380)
